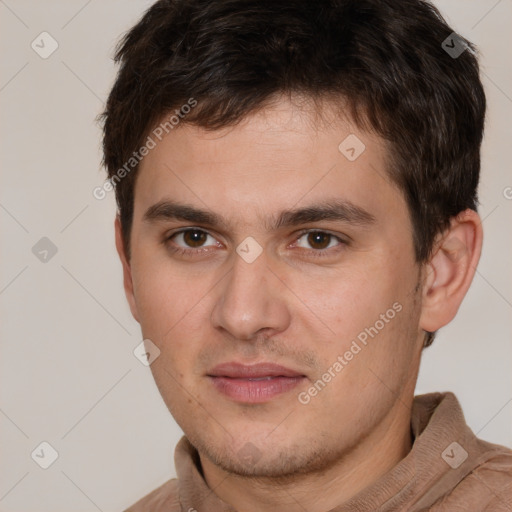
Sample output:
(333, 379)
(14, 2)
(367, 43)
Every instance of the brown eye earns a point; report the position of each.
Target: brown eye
(318, 239)
(190, 239)
(194, 237)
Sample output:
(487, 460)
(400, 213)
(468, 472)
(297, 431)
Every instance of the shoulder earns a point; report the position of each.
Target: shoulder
(486, 488)
(495, 475)
(163, 499)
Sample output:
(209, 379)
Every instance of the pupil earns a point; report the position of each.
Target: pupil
(194, 238)
(317, 238)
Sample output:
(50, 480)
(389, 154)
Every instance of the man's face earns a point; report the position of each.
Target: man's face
(274, 361)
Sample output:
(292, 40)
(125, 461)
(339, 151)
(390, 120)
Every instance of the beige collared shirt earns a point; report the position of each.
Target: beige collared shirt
(447, 470)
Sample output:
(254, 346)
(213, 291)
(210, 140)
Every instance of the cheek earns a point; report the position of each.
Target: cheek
(364, 369)
(172, 315)
(348, 299)
(371, 316)
(174, 305)
(167, 295)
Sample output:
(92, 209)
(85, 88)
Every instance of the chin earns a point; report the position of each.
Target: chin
(261, 459)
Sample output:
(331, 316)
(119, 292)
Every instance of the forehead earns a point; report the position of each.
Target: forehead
(281, 157)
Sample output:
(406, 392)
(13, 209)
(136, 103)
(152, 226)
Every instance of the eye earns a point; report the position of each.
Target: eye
(319, 241)
(190, 240)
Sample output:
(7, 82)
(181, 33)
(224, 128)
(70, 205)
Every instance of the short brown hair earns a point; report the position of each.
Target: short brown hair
(384, 58)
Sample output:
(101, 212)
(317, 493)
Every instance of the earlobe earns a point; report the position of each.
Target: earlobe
(127, 272)
(450, 270)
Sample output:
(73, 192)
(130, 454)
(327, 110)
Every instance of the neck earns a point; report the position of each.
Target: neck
(321, 490)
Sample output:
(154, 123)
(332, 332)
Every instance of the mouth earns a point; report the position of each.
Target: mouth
(257, 383)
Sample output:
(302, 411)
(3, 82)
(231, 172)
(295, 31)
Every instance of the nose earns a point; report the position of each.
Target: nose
(251, 300)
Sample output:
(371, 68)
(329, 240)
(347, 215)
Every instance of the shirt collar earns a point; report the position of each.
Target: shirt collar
(417, 481)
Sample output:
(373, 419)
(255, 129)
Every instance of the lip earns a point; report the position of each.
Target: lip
(256, 383)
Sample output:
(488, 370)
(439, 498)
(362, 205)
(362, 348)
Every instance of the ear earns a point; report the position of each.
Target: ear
(450, 270)
(127, 271)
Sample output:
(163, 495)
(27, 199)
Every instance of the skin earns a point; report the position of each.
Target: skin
(288, 306)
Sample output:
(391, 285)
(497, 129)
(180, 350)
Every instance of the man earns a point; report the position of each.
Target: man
(296, 184)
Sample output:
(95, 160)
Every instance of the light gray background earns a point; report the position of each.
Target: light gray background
(68, 374)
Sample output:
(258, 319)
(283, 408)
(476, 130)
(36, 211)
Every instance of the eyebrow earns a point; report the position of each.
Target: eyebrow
(336, 209)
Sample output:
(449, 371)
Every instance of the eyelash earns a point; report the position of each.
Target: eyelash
(317, 253)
